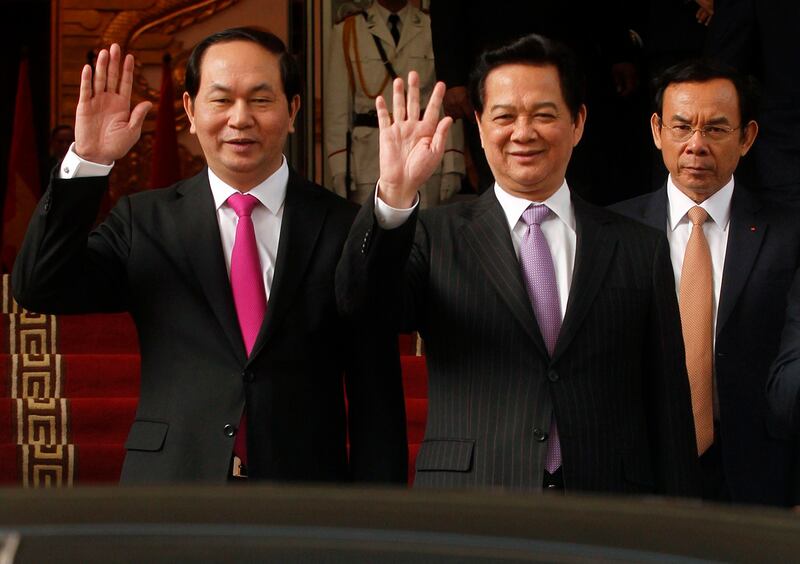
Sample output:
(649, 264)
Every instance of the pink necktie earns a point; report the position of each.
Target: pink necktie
(249, 295)
(540, 281)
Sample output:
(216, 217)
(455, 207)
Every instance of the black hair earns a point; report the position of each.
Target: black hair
(289, 69)
(704, 70)
(535, 50)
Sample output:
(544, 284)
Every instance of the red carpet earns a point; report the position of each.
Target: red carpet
(68, 392)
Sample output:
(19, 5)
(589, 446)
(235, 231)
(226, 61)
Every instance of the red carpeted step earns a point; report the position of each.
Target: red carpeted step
(75, 375)
(92, 464)
(101, 333)
(88, 420)
(99, 463)
(87, 334)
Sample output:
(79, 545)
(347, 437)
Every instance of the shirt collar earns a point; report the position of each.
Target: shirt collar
(559, 203)
(718, 205)
(384, 13)
(271, 192)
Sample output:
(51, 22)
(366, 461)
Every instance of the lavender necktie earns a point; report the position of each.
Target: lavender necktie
(540, 280)
(249, 295)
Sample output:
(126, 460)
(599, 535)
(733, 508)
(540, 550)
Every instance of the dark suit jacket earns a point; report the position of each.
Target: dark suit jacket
(783, 384)
(762, 254)
(159, 256)
(616, 382)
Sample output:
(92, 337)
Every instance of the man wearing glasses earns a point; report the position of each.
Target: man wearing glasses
(733, 258)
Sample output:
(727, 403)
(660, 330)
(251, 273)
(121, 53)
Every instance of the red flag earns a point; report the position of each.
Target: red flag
(23, 188)
(165, 165)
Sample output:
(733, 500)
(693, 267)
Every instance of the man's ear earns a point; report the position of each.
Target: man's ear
(655, 128)
(294, 107)
(580, 124)
(749, 136)
(188, 107)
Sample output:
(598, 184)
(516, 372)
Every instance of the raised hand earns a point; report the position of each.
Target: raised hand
(411, 147)
(105, 126)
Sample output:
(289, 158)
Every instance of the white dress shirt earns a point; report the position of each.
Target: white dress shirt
(559, 229)
(266, 218)
(679, 228)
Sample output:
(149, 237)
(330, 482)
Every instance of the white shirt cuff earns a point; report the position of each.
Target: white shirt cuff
(389, 217)
(72, 166)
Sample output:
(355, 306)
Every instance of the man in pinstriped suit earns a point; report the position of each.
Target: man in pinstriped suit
(614, 385)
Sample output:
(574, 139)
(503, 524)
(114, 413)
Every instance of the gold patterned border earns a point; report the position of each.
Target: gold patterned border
(9, 305)
(42, 421)
(32, 333)
(36, 376)
(46, 466)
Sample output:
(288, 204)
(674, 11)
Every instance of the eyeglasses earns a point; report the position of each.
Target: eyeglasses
(684, 131)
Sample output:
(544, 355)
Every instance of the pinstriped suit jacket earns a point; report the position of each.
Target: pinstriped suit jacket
(616, 381)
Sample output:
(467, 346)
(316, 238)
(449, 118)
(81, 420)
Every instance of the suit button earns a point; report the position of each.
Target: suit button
(553, 376)
(229, 430)
(539, 435)
(365, 242)
(248, 376)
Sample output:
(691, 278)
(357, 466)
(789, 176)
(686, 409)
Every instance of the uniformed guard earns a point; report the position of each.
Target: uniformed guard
(367, 51)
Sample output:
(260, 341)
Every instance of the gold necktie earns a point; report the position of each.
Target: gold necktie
(696, 300)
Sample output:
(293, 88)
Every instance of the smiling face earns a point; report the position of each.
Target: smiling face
(241, 115)
(699, 166)
(526, 129)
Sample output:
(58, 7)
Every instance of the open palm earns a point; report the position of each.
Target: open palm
(105, 126)
(411, 147)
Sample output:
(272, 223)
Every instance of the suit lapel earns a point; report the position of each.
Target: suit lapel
(303, 217)
(592, 258)
(488, 236)
(745, 235)
(198, 229)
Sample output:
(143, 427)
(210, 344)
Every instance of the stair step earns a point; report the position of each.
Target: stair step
(63, 421)
(70, 375)
(86, 463)
(34, 333)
